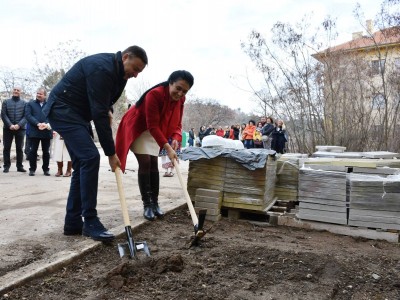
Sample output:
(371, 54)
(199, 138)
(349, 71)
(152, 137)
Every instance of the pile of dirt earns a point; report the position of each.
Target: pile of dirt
(236, 260)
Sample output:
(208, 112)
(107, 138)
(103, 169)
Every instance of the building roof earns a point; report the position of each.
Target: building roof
(385, 37)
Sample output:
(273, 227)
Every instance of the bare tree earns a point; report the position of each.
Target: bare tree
(51, 66)
(335, 99)
(10, 78)
(207, 112)
(292, 87)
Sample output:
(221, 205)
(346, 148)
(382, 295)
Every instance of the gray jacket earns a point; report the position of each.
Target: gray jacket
(13, 112)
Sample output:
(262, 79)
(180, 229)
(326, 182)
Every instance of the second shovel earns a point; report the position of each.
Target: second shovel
(130, 247)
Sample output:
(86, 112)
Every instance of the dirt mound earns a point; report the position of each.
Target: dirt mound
(236, 260)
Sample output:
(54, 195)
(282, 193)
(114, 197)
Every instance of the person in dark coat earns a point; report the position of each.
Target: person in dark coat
(13, 116)
(86, 93)
(267, 130)
(39, 132)
(191, 137)
(279, 137)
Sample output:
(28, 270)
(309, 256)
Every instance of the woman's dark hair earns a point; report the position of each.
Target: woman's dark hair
(252, 121)
(272, 120)
(174, 77)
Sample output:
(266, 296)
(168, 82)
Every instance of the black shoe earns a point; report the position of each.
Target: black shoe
(148, 213)
(46, 173)
(6, 170)
(94, 229)
(73, 227)
(21, 170)
(31, 173)
(157, 210)
(70, 230)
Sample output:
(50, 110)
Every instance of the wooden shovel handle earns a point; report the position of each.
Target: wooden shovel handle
(195, 220)
(122, 199)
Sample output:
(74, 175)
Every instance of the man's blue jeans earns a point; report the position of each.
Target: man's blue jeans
(82, 198)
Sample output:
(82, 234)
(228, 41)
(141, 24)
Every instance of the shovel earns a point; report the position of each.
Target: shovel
(197, 222)
(131, 247)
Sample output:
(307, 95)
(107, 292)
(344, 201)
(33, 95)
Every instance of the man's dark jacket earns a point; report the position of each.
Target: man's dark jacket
(34, 115)
(13, 112)
(87, 92)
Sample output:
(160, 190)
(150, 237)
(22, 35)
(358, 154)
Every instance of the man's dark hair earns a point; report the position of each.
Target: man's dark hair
(136, 51)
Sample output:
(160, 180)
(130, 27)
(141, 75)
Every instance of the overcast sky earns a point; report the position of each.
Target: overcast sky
(201, 36)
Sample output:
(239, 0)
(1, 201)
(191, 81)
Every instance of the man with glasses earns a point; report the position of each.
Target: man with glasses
(13, 116)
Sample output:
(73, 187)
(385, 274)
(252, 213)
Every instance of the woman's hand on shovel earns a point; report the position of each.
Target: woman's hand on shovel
(114, 162)
(171, 153)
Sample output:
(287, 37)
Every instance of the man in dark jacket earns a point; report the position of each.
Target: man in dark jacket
(13, 116)
(191, 137)
(39, 132)
(86, 93)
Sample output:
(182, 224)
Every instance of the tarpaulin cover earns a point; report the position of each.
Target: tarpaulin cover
(249, 158)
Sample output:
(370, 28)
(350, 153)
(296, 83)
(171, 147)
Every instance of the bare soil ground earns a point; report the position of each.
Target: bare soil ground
(236, 260)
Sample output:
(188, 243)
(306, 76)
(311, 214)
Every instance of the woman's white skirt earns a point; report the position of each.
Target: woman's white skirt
(60, 150)
(145, 144)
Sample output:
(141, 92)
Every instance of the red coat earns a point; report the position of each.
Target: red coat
(157, 113)
(220, 132)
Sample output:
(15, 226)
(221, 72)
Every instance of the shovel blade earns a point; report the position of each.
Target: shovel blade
(142, 246)
(198, 228)
(131, 247)
(125, 251)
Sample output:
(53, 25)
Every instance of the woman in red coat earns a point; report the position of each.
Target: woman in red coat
(145, 129)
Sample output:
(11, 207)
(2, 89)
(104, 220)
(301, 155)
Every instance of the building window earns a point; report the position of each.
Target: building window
(378, 66)
(378, 101)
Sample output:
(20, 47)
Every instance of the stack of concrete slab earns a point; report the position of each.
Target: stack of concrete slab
(327, 148)
(207, 174)
(381, 171)
(249, 189)
(380, 154)
(242, 188)
(287, 175)
(362, 162)
(374, 201)
(322, 194)
(210, 200)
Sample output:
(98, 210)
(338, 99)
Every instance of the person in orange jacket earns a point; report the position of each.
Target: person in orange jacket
(248, 133)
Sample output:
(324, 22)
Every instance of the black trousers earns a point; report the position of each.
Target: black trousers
(8, 136)
(27, 146)
(34, 145)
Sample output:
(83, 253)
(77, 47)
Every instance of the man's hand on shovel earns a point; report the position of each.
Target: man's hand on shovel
(114, 162)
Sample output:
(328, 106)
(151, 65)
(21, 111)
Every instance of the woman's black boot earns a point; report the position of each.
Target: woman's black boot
(144, 186)
(155, 187)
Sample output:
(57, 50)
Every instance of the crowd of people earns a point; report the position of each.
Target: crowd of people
(25, 123)
(265, 134)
